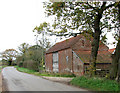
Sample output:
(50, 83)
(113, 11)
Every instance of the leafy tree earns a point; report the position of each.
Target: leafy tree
(42, 31)
(90, 17)
(31, 57)
(35, 53)
(115, 68)
(9, 55)
(23, 47)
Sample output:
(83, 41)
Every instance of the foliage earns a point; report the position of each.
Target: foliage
(89, 17)
(41, 35)
(42, 41)
(95, 83)
(115, 67)
(23, 47)
(32, 57)
(80, 16)
(9, 55)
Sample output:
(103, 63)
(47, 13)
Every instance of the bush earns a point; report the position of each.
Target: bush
(20, 64)
(30, 64)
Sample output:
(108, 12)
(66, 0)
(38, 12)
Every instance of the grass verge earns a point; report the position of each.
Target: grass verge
(95, 83)
(21, 69)
(26, 70)
(0, 68)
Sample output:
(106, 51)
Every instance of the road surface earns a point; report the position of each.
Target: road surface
(18, 81)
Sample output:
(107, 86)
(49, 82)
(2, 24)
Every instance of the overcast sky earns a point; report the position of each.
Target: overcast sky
(17, 20)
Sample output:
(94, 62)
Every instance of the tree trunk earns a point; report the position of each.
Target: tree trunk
(115, 69)
(95, 45)
(10, 62)
(118, 73)
(115, 60)
(118, 79)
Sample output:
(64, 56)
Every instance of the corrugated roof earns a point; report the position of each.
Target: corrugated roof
(64, 44)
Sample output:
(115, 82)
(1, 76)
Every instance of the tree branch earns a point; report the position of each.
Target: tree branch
(94, 8)
(111, 5)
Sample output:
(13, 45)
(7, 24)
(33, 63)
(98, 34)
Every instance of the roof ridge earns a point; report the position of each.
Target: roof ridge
(64, 44)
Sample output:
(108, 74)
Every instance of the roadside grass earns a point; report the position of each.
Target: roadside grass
(26, 70)
(0, 68)
(21, 69)
(54, 75)
(95, 83)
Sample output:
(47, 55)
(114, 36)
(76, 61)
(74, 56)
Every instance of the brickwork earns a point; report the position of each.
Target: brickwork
(48, 62)
(78, 66)
(101, 66)
(82, 44)
(65, 61)
(85, 44)
(70, 62)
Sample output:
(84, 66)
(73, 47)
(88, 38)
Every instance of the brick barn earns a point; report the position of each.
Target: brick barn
(72, 56)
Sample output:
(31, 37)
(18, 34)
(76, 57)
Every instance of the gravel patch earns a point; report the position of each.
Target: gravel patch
(58, 79)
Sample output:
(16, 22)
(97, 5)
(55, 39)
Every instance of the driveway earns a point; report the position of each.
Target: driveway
(18, 81)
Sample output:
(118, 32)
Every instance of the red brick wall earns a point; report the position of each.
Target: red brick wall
(85, 44)
(48, 62)
(103, 66)
(64, 65)
(82, 44)
(67, 67)
(78, 66)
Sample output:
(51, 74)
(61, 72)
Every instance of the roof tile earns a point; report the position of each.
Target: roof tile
(64, 44)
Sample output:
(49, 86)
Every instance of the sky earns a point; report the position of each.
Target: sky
(17, 20)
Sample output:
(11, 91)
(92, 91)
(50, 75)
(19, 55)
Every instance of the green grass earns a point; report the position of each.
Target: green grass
(95, 83)
(26, 70)
(0, 68)
(21, 69)
(54, 75)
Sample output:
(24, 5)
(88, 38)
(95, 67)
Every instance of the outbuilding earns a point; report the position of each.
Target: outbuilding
(73, 55)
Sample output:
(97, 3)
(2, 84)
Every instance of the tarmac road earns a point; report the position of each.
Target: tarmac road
(18, 81)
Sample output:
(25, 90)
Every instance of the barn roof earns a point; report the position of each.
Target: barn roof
(64, 44)
(68, 43)
(103, 56)
(111, 50)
